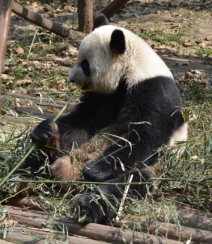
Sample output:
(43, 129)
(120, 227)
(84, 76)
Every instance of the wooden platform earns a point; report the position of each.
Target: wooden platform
(35, 227)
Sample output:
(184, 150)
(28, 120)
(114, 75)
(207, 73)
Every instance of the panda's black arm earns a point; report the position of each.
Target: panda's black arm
(57, 138)
(96, 111)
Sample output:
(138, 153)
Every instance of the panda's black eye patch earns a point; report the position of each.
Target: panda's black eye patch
(85, 67)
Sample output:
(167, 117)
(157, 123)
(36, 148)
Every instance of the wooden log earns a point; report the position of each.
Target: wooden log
(5, 13)
(49, 108)
(25, 202)
(37, 19)
(195, 221)
(44, 101)
(20, 120)
(37, 236)
(189, 218)
(36, 99)
(113, 7)
(5, 242)
(196, 235)
(85, 15)
(45, 23)
(92, 231)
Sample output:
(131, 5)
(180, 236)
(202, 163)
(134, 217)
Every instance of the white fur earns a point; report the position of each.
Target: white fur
(179, 135)
(138, 63)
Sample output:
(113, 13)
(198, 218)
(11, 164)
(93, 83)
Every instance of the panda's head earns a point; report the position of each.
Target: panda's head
(110, 54)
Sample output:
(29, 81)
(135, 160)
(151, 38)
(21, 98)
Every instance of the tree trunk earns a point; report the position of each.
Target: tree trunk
(5, 13)
(85, 15)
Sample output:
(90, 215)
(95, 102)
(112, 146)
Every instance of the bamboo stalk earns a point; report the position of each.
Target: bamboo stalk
(124, 197)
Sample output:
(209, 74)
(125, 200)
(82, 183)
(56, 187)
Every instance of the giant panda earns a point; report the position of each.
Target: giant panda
(126, 87)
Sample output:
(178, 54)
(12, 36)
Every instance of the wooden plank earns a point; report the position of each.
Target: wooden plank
(5, 14)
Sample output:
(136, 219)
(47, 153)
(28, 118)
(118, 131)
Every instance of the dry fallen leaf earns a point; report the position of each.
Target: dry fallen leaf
(23, 82)
(51, 110)
(188, 75)
(17, 104)
(68, 8)
(3, 111)
(202, 44)
(208, 38)
(187, 43)
(19, 50)
(72, 88)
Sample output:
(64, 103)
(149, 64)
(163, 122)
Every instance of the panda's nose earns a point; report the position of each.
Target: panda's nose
(72, 81)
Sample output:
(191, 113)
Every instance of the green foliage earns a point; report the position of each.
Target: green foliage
(205, 51)
(161, 37)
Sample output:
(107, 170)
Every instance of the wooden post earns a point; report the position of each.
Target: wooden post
(5, 13)
(85, 15)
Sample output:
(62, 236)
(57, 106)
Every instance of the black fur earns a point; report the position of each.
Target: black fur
(86, 68)
(117, 42)
(146, 115)
(100, 20)
(95, 214)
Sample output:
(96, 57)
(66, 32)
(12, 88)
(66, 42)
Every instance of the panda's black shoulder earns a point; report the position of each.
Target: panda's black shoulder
(157, 90)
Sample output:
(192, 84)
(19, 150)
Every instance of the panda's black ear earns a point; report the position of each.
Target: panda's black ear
(100, 20)
(117, 42)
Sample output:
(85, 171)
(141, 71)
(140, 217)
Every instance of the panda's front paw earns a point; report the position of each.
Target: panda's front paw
(34, 161)
(44, 131)
(91, 211)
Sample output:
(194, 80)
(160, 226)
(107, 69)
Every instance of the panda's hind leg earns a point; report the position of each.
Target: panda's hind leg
(101, 212)
(65, 170)
(68, 168)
